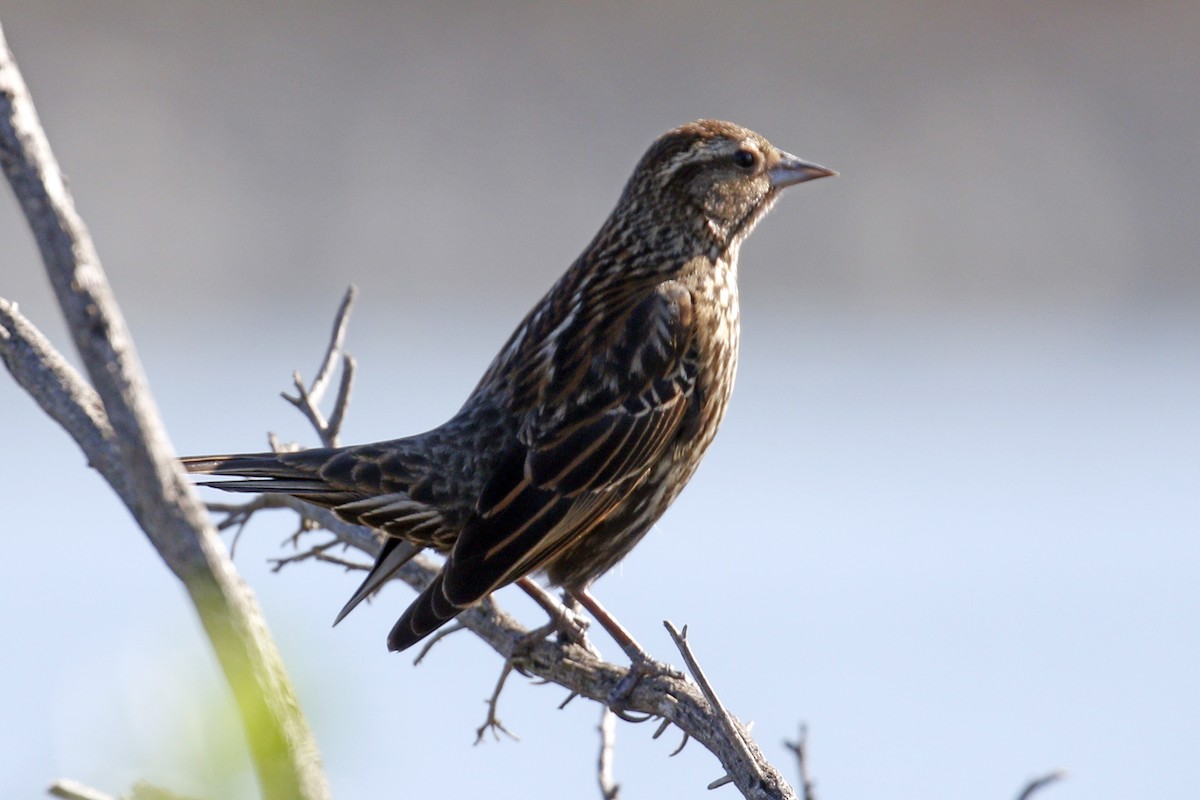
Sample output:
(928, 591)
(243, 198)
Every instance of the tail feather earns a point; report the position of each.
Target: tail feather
(430, 611)
(256, 465)
(282, 473)
(394, 555)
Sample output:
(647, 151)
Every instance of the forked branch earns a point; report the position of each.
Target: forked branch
(115, 422)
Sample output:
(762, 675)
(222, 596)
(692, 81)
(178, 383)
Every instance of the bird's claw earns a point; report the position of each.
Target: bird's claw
(566, 625)
(641, 668)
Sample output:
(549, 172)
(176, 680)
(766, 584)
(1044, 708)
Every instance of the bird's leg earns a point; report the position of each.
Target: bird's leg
(641, 666)
(563, 620)
(607, 621)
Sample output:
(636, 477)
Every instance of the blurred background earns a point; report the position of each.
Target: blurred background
(951, 520)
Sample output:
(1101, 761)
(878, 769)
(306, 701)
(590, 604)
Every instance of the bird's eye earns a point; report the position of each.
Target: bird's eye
(745, 158)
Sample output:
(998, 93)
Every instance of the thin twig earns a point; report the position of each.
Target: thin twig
(340, 322)
(308, 398)
(724, 717)
(800, 749)
(436, 637)
(316, 551)
(345, 563)
(492, 722)
(239, 514)
(342, 402)
(304, 403)
(609, 789)
(1038, 784)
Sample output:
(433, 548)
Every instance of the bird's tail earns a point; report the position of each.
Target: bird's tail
(283, 473)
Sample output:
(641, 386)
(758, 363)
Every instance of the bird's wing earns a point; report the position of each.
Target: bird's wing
(601, 425)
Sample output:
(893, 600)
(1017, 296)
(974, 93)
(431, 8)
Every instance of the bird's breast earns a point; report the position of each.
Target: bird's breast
(715, 298)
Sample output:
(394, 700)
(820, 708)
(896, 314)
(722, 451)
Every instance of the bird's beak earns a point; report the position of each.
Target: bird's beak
(788, 170)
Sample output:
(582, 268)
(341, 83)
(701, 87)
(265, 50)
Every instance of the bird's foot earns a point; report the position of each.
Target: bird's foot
(566, 625)
(565, 620)
(641, 667)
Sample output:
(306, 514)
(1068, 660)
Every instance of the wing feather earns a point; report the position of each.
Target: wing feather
(577, 461)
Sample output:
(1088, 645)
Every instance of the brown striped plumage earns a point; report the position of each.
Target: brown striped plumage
(596, 411)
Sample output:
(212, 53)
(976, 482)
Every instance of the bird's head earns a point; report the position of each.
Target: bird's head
(715, 179)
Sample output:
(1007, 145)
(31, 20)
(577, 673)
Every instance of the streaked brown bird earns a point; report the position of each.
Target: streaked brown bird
(596, 411)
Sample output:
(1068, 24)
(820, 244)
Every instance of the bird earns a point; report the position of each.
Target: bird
(591, 418)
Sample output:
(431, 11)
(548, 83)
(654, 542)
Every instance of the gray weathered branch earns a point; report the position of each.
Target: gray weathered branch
(119, 428)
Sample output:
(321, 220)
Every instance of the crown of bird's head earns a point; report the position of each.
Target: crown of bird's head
(713, 178)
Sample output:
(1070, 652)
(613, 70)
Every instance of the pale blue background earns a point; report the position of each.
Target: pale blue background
(950, 522)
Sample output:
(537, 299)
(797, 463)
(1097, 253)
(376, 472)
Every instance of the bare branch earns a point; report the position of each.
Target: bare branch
(60, 391)
(134, 454)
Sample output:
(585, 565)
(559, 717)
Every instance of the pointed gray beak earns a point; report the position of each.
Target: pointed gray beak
(789, 170)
